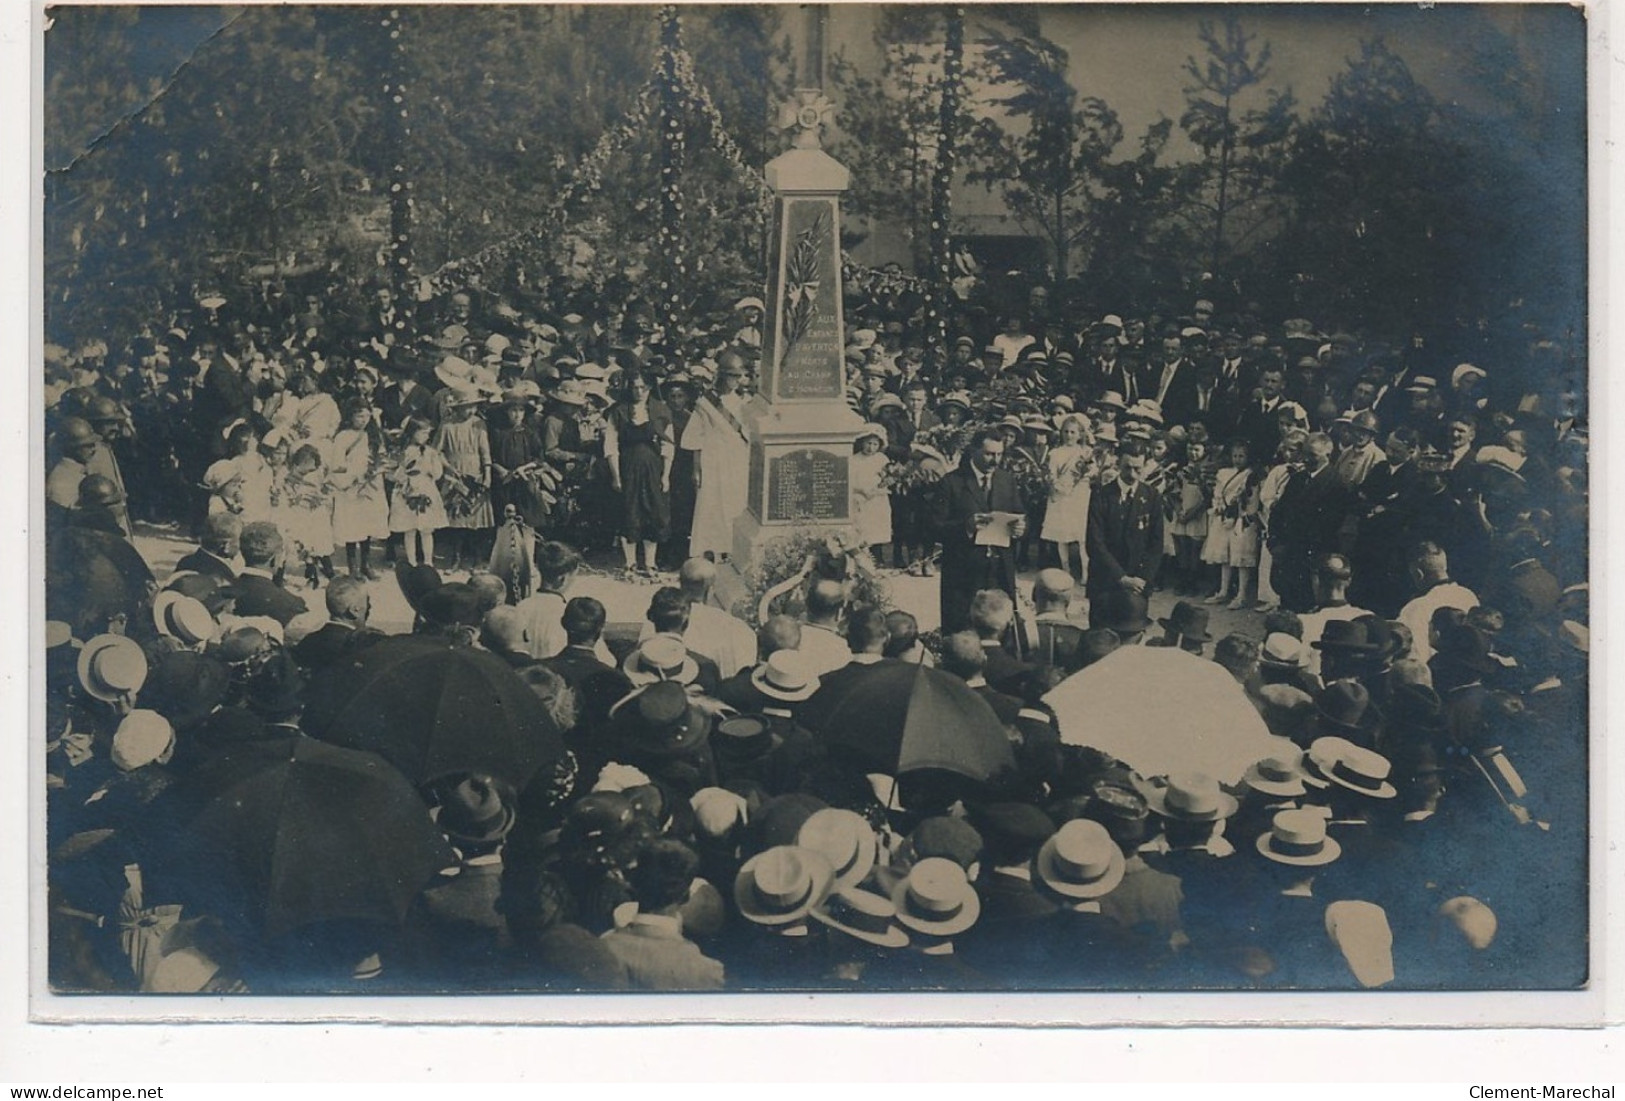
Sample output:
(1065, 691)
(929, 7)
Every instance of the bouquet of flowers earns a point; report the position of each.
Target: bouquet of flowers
(462, 495)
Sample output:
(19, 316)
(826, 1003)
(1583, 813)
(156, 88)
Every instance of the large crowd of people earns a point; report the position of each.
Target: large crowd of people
(254, 788)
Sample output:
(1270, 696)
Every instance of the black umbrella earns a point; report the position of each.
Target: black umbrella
(432, 708)
(904, 717)
(91, 576)
(308, 832)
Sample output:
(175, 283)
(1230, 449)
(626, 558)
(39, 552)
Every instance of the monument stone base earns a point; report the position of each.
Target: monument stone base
(799, 474)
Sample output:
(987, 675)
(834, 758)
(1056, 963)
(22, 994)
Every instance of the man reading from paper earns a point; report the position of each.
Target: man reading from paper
(717, 436)
(978, 516)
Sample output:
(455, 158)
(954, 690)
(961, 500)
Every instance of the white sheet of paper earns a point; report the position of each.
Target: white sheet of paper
(996, 532)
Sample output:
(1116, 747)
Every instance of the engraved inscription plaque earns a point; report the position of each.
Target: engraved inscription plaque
(809, 484)
(810, 364)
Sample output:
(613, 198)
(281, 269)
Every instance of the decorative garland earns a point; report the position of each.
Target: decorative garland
(399, 123)
(669, 239)
(672, 86)
(936, 295)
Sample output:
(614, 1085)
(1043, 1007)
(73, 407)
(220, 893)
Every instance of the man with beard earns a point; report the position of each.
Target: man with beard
(963, 507)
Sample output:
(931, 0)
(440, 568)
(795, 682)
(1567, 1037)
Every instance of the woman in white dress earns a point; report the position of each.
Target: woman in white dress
(1070, 465)
(360, 509)
(309, 415)
(871, 498)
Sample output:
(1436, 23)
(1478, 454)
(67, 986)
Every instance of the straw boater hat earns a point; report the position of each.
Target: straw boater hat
(1280, 776)
(660, 658)
(781, 885)
(843, 838)
(1282, 651)
(785, 676)
(1347, 765)
(1191, 797)
(936, 898)
(143, 738)
(1299, 837)
(112, 667)
(182, 617)
(1081, 861)
(868, 916)
(1111, 399)
(570, 392)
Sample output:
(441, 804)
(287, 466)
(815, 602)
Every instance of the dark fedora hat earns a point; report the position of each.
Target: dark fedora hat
(1347, 635)
(660, 719)
(1465, 646)
(456, 603)
(1120, 611)
(185, 687)
(474, 810)
(1346, 705)
(1188, 621)
(416, 582)
(276, 687)
(1414, 707)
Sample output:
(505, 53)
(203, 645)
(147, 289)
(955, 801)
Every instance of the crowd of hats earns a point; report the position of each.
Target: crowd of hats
(791, 871)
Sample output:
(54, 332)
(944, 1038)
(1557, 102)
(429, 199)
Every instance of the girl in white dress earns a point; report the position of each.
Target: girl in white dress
(1233, 523)
(417, 509)
(307, 512)
(241, 483)
(1070, 465)
(871, 499)
(360, 509)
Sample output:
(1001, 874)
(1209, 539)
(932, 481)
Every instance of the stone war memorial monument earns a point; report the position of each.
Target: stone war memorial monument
(801, 429)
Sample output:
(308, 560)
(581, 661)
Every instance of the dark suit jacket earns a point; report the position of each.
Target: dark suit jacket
(258, 595)
(1006, 707)
(1309, 515)
(1179, 403)
(332, 641)
(396, 408)
(1058, 643)
(967, 567)
(201, 561)
(597, 686)
(1004, 671)
(1124, 534)
(1259, 428)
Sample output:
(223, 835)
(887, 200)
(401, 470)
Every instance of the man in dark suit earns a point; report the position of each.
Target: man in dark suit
(346, 630)
(1214, 402)
(1306, 524)
(963, 505)
(992, 613)
(597, 685)
(964, 657)
(256, 589)
(780, 632)
(1125, 529)
(1054, 639)
(214, 557)
(1259, 423)
(226, 394)
(1171, 381)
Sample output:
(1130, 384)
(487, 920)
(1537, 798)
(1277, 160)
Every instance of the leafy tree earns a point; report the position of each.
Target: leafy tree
(1048, 152)
(1243, 151)
(1374, 171)
(889, 121)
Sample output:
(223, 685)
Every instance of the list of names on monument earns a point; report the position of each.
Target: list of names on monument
(808, 484)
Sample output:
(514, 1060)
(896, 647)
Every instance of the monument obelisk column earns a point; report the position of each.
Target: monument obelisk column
(801, 427)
